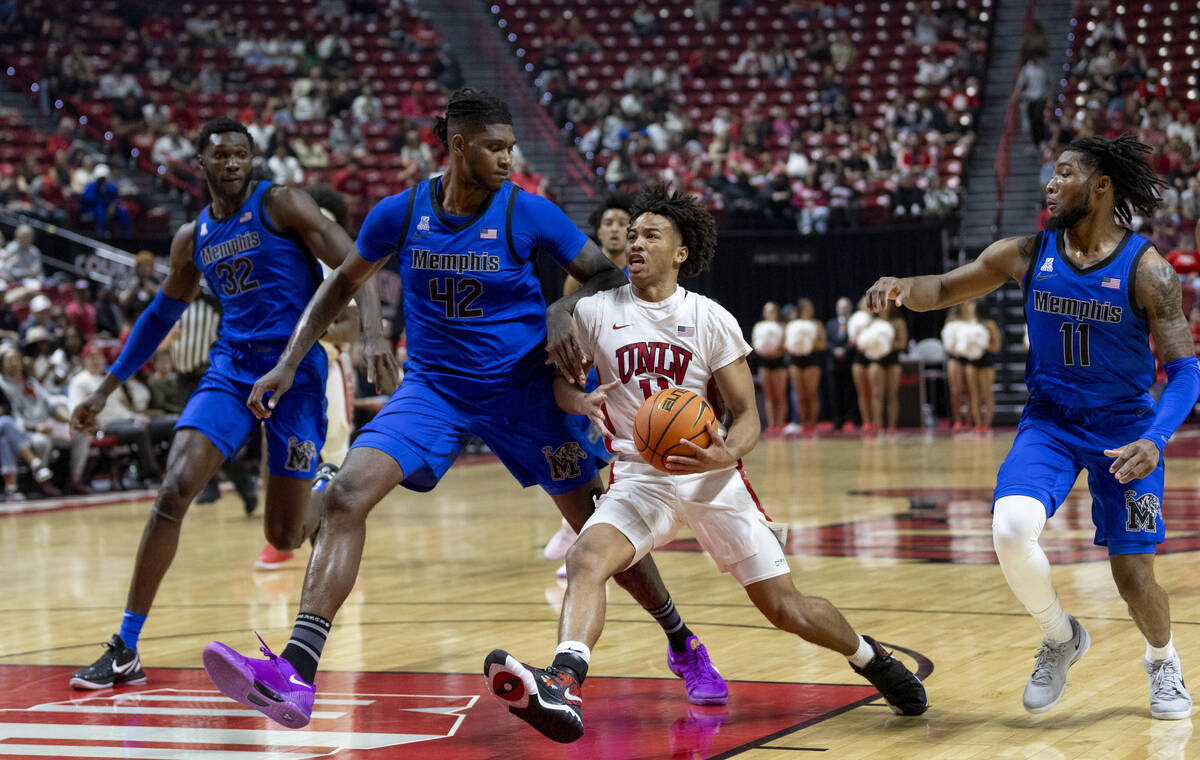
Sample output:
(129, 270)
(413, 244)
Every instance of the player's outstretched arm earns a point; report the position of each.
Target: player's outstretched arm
(1159, 295)
(296, 210)
(595, 272)
(573, 399)
(150, 329)
(1000, 262)
(737, 389)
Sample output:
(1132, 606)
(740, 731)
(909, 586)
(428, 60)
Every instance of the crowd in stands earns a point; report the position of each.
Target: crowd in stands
(333, 92)
(1134, 72)
(806, 133)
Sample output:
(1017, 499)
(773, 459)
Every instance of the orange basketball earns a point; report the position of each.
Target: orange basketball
(665, 418)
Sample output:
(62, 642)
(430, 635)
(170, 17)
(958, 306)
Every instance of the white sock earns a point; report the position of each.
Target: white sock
(1055, 623)
(862, 658)
(1158, 654)
(1017, 522)
(577, 648)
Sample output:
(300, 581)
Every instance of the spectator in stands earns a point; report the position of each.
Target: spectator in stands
(63, 138)
(171, 147)
(749, 62)
(349, 181)
(779, 61)
(118, 418)
(334, 50)
(100, 203)
(76, 75)
(939, 200)
(140, 287)
(345, 138)
(776, 202)
(156, 114)
(446, 71)
(110, 317)
(842, 51)
(209, 80)
(367, 107)
(310, 106)
(284, 167)
(645, 22)
(1033, 91)
(42, 416)
(21, 259)
(83, 174)
(707, 11)
(81, 311)
(310, 153)
(15, 447)
(701, 63)
(67, 359)
(926, 26)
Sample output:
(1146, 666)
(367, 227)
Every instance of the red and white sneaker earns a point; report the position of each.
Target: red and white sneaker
(271, 558)
(559, 543)
(548, 700)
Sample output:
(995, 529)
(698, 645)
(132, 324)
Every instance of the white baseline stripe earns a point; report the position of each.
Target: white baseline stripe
(144, 753)
(190, 698)
(113, 709)
(187, 735)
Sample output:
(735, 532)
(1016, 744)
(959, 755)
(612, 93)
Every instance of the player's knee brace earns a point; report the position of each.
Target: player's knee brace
(1017, 523)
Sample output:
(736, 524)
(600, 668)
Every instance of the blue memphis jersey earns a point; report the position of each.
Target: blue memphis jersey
(472, 304)
(1088, 341)
(263, 277)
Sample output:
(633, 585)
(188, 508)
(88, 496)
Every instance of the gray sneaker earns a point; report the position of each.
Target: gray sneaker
(1169, 698)
(1049, 679)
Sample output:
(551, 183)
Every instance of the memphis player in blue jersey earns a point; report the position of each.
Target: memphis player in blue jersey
(478, 337)
(254, 246)
(1093, 293)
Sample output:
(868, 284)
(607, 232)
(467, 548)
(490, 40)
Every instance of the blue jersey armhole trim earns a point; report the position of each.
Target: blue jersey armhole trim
(508, 227)
(1034, 258)
(1138, 311)
(407, 221)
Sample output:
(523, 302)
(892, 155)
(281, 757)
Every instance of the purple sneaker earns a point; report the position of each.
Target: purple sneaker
(700, 677)
(270, 686)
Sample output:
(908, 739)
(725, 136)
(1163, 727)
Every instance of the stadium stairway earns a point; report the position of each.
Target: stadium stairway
(487, 63)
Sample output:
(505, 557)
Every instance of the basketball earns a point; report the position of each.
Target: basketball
(665, 418)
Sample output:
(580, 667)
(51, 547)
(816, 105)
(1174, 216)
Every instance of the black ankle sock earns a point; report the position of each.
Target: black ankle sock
(303, 649)
(672, 624)
(573, 663)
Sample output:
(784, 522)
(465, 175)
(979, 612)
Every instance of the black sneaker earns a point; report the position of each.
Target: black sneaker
(546, 699)
(902, 691)
(209, 494)
(118, 665)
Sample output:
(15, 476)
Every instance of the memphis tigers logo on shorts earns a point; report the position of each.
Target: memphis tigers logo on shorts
(1143, 511)
(300, 454)
(564, 461)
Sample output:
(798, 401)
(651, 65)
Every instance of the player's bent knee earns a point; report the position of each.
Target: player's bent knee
(344, 501)
(1017, 522)
(173, 498)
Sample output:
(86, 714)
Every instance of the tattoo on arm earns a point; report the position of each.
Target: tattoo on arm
(1162, 299)
(1025, 247)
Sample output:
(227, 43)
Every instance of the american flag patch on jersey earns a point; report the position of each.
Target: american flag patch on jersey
(1111, 282)
(246, 216)
(685, 332)
(488, 233)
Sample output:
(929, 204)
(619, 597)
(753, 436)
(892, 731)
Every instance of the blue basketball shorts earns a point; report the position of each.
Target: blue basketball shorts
(1055, 443)
(425, 421)
(295, 429)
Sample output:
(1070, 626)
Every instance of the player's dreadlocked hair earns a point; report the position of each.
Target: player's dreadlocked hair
(616, 199)
(1136, 186)
(332, 201)
(470, 111)
(216, 127)
(696, 227)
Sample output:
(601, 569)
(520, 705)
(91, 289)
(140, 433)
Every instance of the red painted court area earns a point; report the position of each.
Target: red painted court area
(177, 715)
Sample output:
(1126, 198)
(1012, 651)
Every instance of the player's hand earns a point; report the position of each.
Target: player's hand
(562, 342)
(886, 289)
(276, 382)
(83, 418)
(592, 404)
(1133, 460)
(382, 369)
(716, 457)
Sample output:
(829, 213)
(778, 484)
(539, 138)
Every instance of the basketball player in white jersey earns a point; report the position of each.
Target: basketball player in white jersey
(642, 337)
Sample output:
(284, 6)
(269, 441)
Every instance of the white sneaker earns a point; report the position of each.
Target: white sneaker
(1169, 698)
(792, 429)
(1048, 681)
(559, 543)
(41, 473)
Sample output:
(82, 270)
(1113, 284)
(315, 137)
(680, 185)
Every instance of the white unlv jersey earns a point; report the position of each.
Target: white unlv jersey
(675, 343)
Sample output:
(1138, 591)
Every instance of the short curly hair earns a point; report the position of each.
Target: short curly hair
(697, 229)
(616, 199)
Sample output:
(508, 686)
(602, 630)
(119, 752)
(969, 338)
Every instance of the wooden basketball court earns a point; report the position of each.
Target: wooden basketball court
(894, 531)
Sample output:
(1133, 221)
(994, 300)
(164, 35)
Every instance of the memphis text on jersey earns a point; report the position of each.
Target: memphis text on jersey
(1073, 307)
(654, 357)
(470, 261)
(227, 248)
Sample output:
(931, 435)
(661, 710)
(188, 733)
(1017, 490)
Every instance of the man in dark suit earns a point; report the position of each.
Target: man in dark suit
(841, 354)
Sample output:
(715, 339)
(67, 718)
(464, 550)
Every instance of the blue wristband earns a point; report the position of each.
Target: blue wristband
(1183, 386)
(148, 332)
